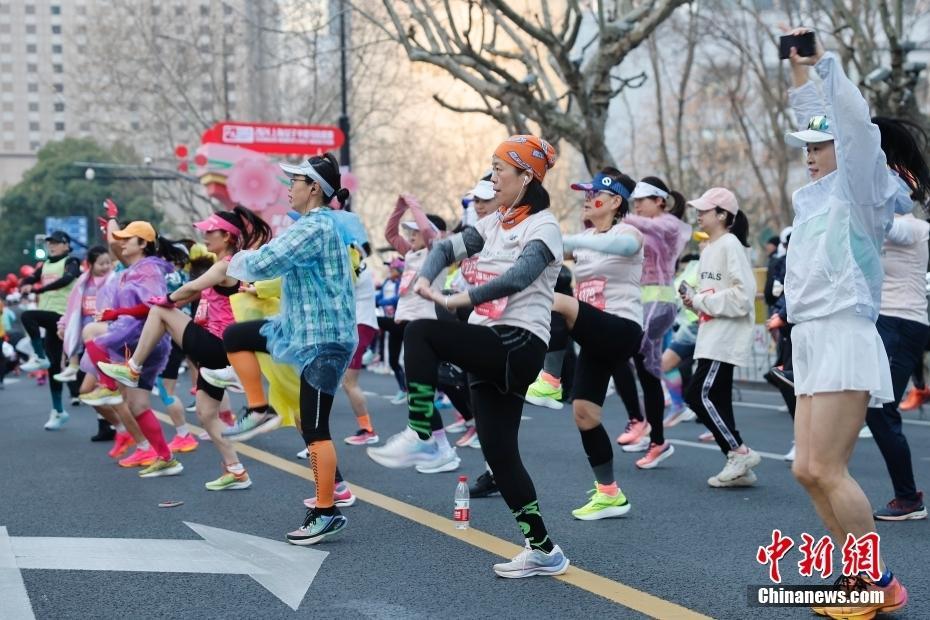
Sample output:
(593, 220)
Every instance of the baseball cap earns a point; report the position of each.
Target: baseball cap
(483, 190)
(716, 197)
(818, 130)
(603, 183)
(306, 169)
(59, 236)
(140, 229)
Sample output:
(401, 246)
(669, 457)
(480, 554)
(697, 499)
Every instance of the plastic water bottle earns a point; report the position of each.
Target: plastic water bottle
(461, 514)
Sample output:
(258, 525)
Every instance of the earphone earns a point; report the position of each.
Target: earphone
(526, 181)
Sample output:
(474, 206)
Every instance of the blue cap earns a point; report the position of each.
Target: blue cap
(603, 183)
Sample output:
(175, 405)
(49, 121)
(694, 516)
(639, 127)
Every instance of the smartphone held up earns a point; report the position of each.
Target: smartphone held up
(805, 44)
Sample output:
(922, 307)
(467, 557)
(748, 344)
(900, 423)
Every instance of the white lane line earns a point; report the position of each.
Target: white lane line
(716, 448)
(743, 403)
(15, 600)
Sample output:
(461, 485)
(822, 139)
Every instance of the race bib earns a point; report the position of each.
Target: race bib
(493, 309)
(406, 280)
(592, 292)
(468, 268)
(89, 305)
(200, 317)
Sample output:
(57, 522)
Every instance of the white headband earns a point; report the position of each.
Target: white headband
(645, 190)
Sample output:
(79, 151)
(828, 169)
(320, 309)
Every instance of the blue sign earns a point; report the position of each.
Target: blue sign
(76, 227)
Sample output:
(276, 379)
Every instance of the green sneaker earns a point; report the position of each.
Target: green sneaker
(121, 372)
(602, 506)
(229, 481)
(161, 467)
(541, 393)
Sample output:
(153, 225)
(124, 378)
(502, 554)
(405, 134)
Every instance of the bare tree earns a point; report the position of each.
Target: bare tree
(558, 72)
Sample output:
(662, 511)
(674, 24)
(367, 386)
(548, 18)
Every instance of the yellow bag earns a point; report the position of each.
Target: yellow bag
(283, 380)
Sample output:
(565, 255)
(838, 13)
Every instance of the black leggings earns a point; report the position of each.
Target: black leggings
(315, 405)
(395, 332)
(501, 362)
(653, 396)
(710, 396)
(32, 321)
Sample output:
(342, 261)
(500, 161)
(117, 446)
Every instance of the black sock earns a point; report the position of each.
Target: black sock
(326, 511)
(531, 524)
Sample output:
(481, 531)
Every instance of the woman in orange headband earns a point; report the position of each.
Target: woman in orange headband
(502, 346)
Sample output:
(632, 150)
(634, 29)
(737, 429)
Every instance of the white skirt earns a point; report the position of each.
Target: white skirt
(839, 353)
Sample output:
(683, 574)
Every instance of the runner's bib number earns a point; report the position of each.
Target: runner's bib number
(493, 309)
(200, 317)
(592, 292)
(406, 280)
(89, 305)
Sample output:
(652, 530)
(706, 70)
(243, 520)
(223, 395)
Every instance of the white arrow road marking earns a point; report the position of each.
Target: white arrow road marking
(282, 569)
(16, 605)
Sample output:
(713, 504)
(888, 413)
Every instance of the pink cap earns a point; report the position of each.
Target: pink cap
(716, 197)
(215, 222)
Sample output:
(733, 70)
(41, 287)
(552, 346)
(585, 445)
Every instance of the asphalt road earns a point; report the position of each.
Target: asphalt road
(683, 542)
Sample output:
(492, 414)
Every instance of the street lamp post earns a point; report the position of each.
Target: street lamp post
(345, 154)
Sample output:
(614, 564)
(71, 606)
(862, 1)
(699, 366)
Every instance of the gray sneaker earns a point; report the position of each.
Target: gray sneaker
(532, 562)
(252, 424)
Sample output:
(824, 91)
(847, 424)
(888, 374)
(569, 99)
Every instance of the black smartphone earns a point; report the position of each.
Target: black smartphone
(805, 43)
(686, 289)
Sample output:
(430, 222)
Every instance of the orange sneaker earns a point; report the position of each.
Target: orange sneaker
(187, 443)
(139, 458)
(121, 444)
(895, 597)
(655, 455)
(914, 399)
(634, 431)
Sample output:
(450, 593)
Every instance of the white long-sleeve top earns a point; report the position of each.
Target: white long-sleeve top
(904, 259)
(725, 303)
(834, 258)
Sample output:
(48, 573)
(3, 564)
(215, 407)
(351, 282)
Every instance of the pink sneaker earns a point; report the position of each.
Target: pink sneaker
(655, 455)
(341, 498)
(469, 439)
(121, 444)
(362, 437)
(188, 443)
(228, 418)
(706, 437)
(458, 425)
(139, 458)
(634, 431)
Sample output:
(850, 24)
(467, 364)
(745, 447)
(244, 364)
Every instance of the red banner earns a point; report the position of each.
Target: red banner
(276, 139)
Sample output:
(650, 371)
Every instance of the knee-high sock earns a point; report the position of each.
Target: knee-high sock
(250, 374)
(151, 428)
(422, 409)
(323, 464)
(674, 384)
(97, 355)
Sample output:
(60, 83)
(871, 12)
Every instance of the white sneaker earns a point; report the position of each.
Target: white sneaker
(738, 464)
(746, 480)
(445, 460)
(304, 454)
(865, 433)
(790, 456)
(405, 449)
(400, 398)
(531, 562)
(367, 357)
(637, 446)
(35, 363)
(56, 419)
(225, 378)
(67, 375)
(458, 426)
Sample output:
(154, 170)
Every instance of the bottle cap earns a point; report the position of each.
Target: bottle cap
(463, 478)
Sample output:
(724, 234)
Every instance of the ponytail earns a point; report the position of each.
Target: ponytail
(675, 203)
(738, 225)
(904, 144)
(327, 167)
(175, 252)
(255, 232)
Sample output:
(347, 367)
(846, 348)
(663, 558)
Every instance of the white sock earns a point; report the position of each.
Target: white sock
(235, 468)
(441, 440)
(145, 445)
(133, 366)
(182, 430)
(120, 428)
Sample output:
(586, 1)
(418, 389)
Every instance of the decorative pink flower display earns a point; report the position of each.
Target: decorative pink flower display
(253, 183)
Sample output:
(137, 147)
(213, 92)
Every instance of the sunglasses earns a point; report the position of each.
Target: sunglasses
(819, 123)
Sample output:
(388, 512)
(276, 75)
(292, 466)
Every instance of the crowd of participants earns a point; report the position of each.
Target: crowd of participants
(659, 306)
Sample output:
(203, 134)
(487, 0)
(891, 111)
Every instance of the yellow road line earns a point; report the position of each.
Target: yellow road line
(615, 591)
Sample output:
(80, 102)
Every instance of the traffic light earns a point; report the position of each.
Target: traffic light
(38, 247)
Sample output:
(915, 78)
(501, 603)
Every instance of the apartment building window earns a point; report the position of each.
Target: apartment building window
(30, 28)
(34, 106)
(204, 10)
(59, 88)
(32, 87)
(58, 68)
(56, 29)
(30, 9)
(33, 126)
(56, 10)
(4, 9)
(34, 146)
(31, 48)
(56, 49)
(32, 67)
(59, 107)
(59, 126)
(9, 146)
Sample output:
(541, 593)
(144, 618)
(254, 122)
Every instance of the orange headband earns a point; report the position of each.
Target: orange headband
(526, 152)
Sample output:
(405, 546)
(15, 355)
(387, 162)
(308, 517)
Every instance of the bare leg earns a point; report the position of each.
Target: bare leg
(129, 422)
(354, 392)
(159, 321)
(826, 428)
(567, 306)
(670, 360)
(587, 414)
(208, 414)
(108, 414)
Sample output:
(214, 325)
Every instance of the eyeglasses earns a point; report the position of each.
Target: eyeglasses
(819, 123)
(295, 179)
